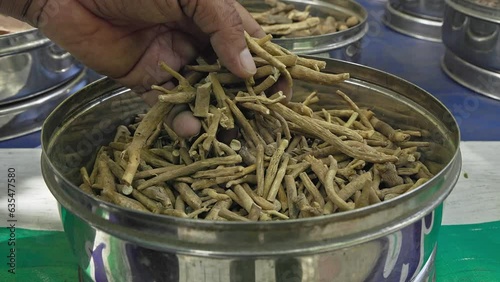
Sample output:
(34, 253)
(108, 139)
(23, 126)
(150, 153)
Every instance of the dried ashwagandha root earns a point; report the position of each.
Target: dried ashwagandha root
(285, 161)
(284, 20)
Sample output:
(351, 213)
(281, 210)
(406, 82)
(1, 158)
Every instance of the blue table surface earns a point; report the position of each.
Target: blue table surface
(417, 61)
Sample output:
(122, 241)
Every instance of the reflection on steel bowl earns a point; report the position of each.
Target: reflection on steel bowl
(389, 241)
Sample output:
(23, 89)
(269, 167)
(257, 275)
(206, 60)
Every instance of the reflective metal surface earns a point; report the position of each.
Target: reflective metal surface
(429, 9)
(483, 9)
(30, 65)
(391, 241)
(24, 117)
(406, 255)
(472, 35)
(344, 45)
(419, 27)
(473, 77)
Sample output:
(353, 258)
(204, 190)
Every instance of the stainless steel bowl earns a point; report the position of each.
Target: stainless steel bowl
(27, 116)
(430, 9)
(344, 45)
(471, 34)
(421, 19)
(392, 241)
(30, 64)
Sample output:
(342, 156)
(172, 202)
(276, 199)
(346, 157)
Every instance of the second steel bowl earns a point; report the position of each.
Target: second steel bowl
(428, 9)
(421, 19)
(471, 34)
(344, 45)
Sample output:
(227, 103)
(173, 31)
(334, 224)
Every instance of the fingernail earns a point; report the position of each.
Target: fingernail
(247, 62)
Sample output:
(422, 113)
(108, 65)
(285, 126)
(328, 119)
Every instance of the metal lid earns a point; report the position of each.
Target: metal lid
(16, 42)
(483, 9)
(27, 116)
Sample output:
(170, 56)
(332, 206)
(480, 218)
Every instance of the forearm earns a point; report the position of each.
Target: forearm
(24, 10)
(14, 8)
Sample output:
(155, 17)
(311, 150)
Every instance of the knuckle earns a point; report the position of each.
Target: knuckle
(212, 16)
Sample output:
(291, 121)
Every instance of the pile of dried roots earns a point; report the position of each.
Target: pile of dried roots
(287, 161)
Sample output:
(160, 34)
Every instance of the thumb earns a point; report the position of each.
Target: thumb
(222, 22)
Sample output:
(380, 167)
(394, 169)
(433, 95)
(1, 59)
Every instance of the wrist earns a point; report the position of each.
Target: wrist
(24, 10)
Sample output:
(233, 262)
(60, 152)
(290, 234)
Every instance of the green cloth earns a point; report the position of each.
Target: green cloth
(469, 253)
(40, 256)
(465, 253)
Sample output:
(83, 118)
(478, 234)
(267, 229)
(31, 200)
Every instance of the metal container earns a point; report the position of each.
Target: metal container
(391, 241)
(343, 45)
(471, 34)
(429, 9)
(27, 116)
(30, 64)
(421, 19)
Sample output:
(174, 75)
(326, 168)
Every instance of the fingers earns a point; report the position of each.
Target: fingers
(186, 125)
(182, 121)
(221, 20)
(172, 47)
(255, 30)
(282, 85)
(179, 118)
(151, 96)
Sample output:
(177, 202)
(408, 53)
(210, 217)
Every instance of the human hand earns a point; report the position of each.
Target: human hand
(125, 39)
